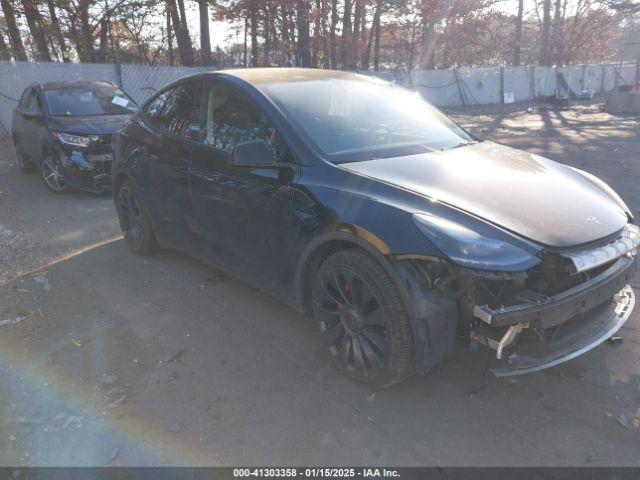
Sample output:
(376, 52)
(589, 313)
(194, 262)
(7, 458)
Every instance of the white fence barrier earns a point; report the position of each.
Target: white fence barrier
(444, 88)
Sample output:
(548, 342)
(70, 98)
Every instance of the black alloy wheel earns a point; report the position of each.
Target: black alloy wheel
(362, 319)
(134, 220)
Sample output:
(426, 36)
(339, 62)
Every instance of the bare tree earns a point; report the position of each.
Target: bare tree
(303, 45)
(182, 33)
(4, 49)
(17, 47)
(517, 42)
(545, 36)
(57, 32)
(205, 38)
(346, 34)
(332, 33)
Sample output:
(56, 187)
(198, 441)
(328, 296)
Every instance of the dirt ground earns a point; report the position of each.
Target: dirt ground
(111, 359)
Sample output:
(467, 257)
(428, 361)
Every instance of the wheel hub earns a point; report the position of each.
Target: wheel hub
(351, 318)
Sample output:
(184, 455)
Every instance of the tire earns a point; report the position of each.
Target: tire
(135, 221)
(52, 175)
(362, 319)
(25, 166)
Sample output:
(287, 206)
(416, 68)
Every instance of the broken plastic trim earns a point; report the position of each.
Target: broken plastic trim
(627, 242)
(601, 324)
(564, 305)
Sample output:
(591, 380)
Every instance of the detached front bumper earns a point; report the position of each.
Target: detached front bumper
(570, 339)
(88, 169)
(544, 331)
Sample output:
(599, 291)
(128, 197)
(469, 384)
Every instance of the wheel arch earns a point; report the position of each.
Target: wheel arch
(433, 319)
(328, 243)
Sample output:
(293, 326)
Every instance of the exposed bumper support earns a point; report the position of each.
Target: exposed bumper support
(572, 338)
(546, 311)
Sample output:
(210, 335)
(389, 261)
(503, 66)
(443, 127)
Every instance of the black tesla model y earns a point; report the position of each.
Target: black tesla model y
(63, 130)
(367, 209)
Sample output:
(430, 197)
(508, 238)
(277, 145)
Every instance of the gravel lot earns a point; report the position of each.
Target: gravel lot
(111, 359)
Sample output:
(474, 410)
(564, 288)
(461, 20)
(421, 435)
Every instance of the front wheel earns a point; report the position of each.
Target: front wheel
(52, 174)
(362, 319)
(134, 220)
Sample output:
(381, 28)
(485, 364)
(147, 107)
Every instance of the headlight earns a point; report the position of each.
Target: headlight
(72, 140)
(470, 249)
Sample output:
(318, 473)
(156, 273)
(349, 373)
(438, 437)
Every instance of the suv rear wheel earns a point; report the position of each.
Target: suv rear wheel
(362, 319)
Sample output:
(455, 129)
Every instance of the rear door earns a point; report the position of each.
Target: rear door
(174, 119)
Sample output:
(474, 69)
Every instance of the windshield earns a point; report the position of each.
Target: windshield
(360, 119)
(83, 102)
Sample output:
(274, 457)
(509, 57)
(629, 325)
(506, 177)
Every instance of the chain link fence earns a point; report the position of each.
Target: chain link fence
(444, 88)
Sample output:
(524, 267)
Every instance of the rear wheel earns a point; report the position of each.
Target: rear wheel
(134, 220)
(52, 174)
(25, 166)
(362, 319)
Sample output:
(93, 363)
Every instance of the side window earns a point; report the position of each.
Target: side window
(181, 113)
(154, 109)
(30, 102)
(231, 117)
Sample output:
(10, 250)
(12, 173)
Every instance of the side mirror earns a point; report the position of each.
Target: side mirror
(30, 114)
(254, 154)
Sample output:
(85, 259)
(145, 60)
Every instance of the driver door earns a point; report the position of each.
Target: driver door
(243, 214)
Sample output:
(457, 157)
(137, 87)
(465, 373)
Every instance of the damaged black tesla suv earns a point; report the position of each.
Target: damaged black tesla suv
(400, 233)
(63, 131)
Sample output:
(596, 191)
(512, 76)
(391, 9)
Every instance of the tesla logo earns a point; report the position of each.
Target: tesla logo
(594, 220)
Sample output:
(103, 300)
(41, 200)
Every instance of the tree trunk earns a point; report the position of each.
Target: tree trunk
(546, 27)
(303, 50)
(34, 21)
(253, 16)
(517, 43)
(317, 35)
(346, 35)
(182, 35)
(169, 35)
(267, 36)
(104, 31)
(558, 45)
(55, 25)
(88, 54)
(205, 39)
(17, 47)
(375, 25)
(246, 27)
(376, 48)
(355, 50)
(332, 33)
(4, 50)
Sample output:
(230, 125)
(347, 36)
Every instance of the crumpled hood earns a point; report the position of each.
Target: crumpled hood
(532, 196)
(92, 125)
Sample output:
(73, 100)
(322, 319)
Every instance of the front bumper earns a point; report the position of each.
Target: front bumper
(545, 312)
(88, 169)
(570, 339)
(545, 331)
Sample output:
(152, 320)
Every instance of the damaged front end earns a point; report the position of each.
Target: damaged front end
(568, 303)
(85, 160)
